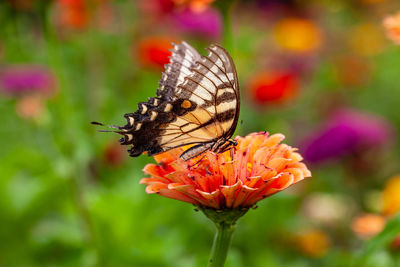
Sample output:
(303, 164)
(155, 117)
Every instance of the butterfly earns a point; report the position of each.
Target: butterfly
(197, 103)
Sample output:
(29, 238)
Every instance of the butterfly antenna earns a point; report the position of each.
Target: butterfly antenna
(109, 126)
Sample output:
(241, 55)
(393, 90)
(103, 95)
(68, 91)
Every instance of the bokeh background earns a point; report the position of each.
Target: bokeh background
(324, 73)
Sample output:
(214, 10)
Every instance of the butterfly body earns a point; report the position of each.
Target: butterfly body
(197, 104)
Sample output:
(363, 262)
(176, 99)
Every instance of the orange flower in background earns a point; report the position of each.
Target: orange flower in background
(392, 26)
(258, 167)
(314, 243)
(353, 70)
(154, 52)
(30, 107)
(368, 225)
(79, 14)
(391, 196)
(73, 13)
(366, 39)
(195, 5)
(298, 35)
(273, 87)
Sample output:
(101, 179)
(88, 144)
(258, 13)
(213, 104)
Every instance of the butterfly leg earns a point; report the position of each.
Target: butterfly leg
(197, 162)
(225, 146)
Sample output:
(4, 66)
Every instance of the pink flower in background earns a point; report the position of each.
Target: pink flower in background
(345, 133)
(392, 26)
(24, 79)
(207, 23)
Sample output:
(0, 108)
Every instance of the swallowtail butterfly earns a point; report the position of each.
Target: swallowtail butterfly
(197, 104)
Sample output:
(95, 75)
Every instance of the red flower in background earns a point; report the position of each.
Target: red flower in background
(114, 154)
(258, 167)
(273, 87)
(154, 52)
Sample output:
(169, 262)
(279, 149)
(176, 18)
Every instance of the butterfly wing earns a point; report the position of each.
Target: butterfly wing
(197, 103)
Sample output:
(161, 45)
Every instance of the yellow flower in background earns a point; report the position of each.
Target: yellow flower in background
(366, 39)
(391, 196)
(392, 26)
(314, 243)
(298, 35)
(368, 225)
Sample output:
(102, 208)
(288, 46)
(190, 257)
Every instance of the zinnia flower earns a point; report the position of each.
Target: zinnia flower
(392, 26)
(273, 87)
(346, 133)
(258, 167)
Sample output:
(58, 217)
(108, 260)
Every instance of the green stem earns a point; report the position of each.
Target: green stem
(222, 242)
(225, 221)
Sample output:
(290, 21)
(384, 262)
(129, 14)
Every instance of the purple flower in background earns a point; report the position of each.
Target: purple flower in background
(207, 22)
(22, 79)
(346, 132)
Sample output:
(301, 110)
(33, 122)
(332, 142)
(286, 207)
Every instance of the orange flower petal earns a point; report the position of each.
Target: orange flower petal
(242, 195)
(258, 167)
(178, 196)
(212, 198)
(229, 193)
